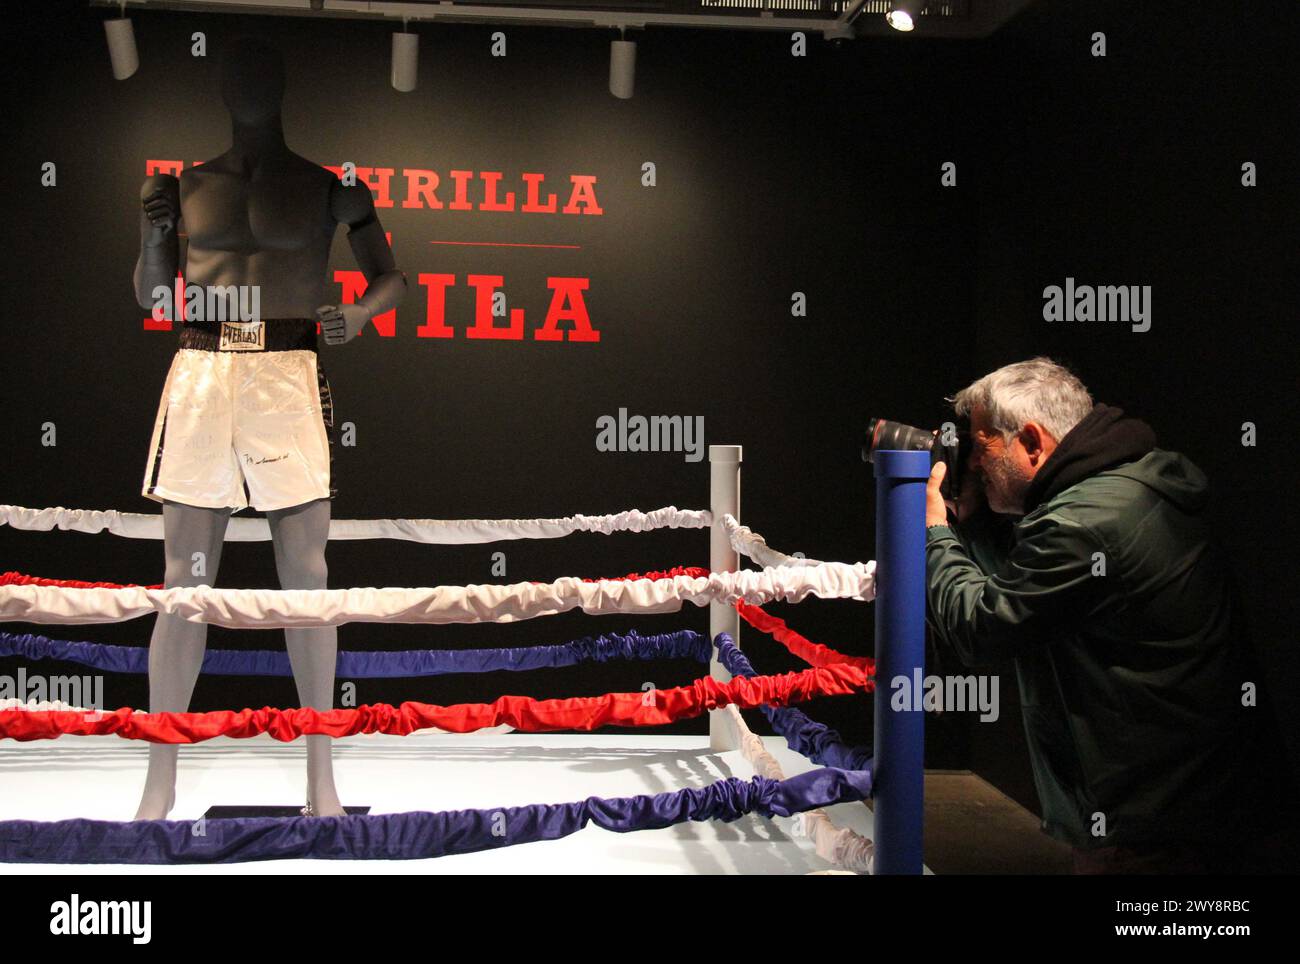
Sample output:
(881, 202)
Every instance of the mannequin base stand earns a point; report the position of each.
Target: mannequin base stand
(227, 812)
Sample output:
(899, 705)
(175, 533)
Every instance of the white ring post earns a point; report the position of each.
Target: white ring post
(724, 498)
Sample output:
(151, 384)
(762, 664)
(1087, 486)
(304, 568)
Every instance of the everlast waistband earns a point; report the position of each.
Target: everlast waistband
(269, 334)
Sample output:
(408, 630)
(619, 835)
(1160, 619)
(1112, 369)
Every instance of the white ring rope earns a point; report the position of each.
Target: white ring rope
(292, 608)
(753, 546)
(841, 846)
(136, 525)
(48, 706)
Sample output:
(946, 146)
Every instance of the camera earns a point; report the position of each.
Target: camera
(949, 445)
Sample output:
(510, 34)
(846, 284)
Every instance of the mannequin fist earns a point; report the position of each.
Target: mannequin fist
(340, 323)
(161, 199)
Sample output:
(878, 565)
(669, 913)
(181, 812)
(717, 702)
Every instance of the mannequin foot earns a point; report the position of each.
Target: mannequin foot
(156, 804)
(323, 801)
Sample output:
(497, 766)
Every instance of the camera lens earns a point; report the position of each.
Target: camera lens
(886, 435)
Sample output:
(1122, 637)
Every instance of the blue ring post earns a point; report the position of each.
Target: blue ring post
(900, 651)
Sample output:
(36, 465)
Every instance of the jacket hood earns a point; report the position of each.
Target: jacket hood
(1172, 475)
(1105, 439)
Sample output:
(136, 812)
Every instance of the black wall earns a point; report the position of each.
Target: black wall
(1127, 170)
(775, 175)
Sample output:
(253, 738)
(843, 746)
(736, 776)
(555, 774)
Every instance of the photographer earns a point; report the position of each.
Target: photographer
(1116, 605)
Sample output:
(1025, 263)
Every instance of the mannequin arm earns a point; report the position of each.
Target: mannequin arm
(385, 285)
(160, 209)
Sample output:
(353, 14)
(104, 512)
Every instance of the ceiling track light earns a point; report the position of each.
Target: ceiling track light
(121, 46)
(406, 60)
(622, 66)
(903, 14)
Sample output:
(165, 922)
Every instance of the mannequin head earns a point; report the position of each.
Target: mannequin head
(252, 81)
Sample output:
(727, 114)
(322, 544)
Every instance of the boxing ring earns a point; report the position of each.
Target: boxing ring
(889, 773)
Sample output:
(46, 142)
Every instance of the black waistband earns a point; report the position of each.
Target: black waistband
(281, 334)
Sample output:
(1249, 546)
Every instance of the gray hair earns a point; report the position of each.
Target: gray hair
(1038, 390)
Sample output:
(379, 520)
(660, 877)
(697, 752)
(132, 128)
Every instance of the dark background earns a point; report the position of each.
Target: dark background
(775, 174)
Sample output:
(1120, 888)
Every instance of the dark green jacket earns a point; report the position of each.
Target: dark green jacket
(1116, 606)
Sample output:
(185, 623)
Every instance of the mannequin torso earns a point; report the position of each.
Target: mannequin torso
(267, 224)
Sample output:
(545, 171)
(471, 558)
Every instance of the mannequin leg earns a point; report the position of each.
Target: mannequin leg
(177, 645)
(300, 535)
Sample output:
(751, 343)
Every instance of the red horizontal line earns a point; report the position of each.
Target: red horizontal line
(506, 244)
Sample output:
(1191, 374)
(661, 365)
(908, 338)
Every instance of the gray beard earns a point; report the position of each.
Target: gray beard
(1004, 488)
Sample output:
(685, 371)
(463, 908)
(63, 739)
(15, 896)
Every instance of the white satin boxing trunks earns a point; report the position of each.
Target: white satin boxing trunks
(246, 418)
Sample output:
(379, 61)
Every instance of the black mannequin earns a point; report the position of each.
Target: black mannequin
(256, 215)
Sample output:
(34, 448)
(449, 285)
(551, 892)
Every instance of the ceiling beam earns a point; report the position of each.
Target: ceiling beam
(985, 17)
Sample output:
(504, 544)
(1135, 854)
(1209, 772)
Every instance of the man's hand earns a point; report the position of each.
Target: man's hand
(340, 323)
(936, 511)
(971, 499)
